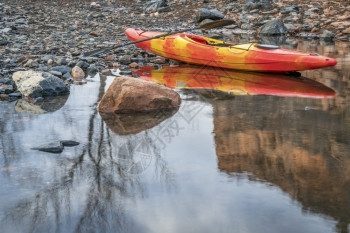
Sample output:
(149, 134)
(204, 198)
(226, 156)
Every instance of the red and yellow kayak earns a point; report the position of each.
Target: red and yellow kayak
(235, 82)
(202, 50)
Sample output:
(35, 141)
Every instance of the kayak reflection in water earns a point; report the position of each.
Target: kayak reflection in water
(235, 82)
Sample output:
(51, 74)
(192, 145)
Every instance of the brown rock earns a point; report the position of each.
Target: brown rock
(134, 65)
(3, 97)
(77, 73)
(115, 65)
(131, 95)
(106, 72)
(94, 33)
(346, 31)
(109, 58)
(345, 16)
(314, 29)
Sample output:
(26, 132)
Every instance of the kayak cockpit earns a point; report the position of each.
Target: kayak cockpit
(218, 43)
(207, 41)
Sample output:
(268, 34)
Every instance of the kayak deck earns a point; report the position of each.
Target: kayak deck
(195, 49)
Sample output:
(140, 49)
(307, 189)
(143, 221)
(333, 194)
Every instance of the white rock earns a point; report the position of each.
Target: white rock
(39, 84)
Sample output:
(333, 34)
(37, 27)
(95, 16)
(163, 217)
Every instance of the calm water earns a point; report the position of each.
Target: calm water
(222, 163)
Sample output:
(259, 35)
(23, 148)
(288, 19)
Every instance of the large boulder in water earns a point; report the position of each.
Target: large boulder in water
(273, 27)
(131, 95)
(39, 84)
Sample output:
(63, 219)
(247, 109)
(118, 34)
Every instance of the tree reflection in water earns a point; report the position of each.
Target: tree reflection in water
(302, 152)
(88, 192)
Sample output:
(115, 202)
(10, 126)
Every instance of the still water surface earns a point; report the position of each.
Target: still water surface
(222, 163)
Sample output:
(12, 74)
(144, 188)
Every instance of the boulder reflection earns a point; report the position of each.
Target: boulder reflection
(124, 124)
(50, 104)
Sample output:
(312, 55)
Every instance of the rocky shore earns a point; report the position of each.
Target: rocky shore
(50, 36)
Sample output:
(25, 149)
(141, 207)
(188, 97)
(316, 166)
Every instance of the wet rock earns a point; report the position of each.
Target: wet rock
(125, 60)
(46, 58)
(272, 40)
(306, 27)
(327, 35)
(31, 63)
(6, 81)
(95, 4)
(61, 61)
(53, 147)
(6, 89)
(5, 30)
(3, 42)
(56, 73)
(290, 9)
(83, 64)
(130, 95)
(39, 84)
(258, 4)
(62, 69)
(15, 95)
(125, 124)
(204, 13)
(92, 69)
(77, 73)
(164, 9)
(273, 27)
(244, 18)
(67, 77)
(153, 6)
(21, 21)
(69, 143)
(246, 26)
(205, 21)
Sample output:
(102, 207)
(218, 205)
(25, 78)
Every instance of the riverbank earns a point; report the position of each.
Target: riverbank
(50, 36)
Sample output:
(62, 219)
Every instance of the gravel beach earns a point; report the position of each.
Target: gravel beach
(50, 36)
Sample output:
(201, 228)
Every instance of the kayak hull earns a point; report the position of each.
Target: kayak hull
(200, 50)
